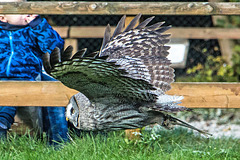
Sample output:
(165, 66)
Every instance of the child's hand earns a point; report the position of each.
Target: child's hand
(30, 17)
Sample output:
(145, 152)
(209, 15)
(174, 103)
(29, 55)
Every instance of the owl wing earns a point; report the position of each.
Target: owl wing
(97, 78)
(147, 43)
(122, 68)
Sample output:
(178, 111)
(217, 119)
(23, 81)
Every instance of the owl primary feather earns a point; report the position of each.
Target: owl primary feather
(123, 85)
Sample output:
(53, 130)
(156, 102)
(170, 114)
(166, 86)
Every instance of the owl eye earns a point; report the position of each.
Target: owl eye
(72, 111)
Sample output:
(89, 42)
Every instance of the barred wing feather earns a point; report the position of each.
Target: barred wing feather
(145, 43)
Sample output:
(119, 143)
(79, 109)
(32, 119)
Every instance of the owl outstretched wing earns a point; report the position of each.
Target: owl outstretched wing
(97, 78)
(147, 43)
(131, 66)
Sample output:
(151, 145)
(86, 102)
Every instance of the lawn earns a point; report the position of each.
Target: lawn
(176, 144)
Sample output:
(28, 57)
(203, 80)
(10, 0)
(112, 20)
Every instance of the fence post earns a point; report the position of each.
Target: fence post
(226, 45)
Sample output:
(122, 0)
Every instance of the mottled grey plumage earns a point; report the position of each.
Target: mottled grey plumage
(123, 86)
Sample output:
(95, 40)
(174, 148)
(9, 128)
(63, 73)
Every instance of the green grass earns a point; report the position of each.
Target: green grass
(176, 144)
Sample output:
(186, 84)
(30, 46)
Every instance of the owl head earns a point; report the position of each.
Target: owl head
(72, 112)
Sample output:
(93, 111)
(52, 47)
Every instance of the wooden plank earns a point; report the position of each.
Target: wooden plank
(177, 32)
(87, 31)
(128, 20)
(197, 95)
(205, 33)
(63, 31)
(119, 8)
(208, 95)
(226, 47)
(34, 93)
(72, 42)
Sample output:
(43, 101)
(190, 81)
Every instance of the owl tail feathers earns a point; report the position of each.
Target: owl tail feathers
(167, 103)
(168, 121)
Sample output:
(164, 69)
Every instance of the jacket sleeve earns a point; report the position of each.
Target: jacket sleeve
(46, 37)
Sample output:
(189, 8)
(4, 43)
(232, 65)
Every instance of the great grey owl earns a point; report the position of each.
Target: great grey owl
(123, 85)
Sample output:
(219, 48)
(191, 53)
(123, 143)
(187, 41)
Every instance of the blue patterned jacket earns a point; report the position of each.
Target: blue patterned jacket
(21, 48)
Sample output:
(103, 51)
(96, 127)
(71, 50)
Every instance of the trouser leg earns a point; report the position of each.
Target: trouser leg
(55, 124)
(6, 119)
(54, 121)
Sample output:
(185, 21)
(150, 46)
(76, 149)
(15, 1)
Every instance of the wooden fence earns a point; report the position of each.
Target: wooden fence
(197, 95)
(120, 8)
(176, 32)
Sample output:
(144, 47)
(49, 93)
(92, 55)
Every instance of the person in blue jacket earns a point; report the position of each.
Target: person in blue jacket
(23, 40)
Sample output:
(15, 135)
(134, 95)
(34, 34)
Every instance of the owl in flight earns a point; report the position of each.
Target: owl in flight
(123, 85)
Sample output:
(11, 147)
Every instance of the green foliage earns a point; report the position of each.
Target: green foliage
(215, 69)
(236, 59)
(233, 22)
(175, 144)
(229, 21)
